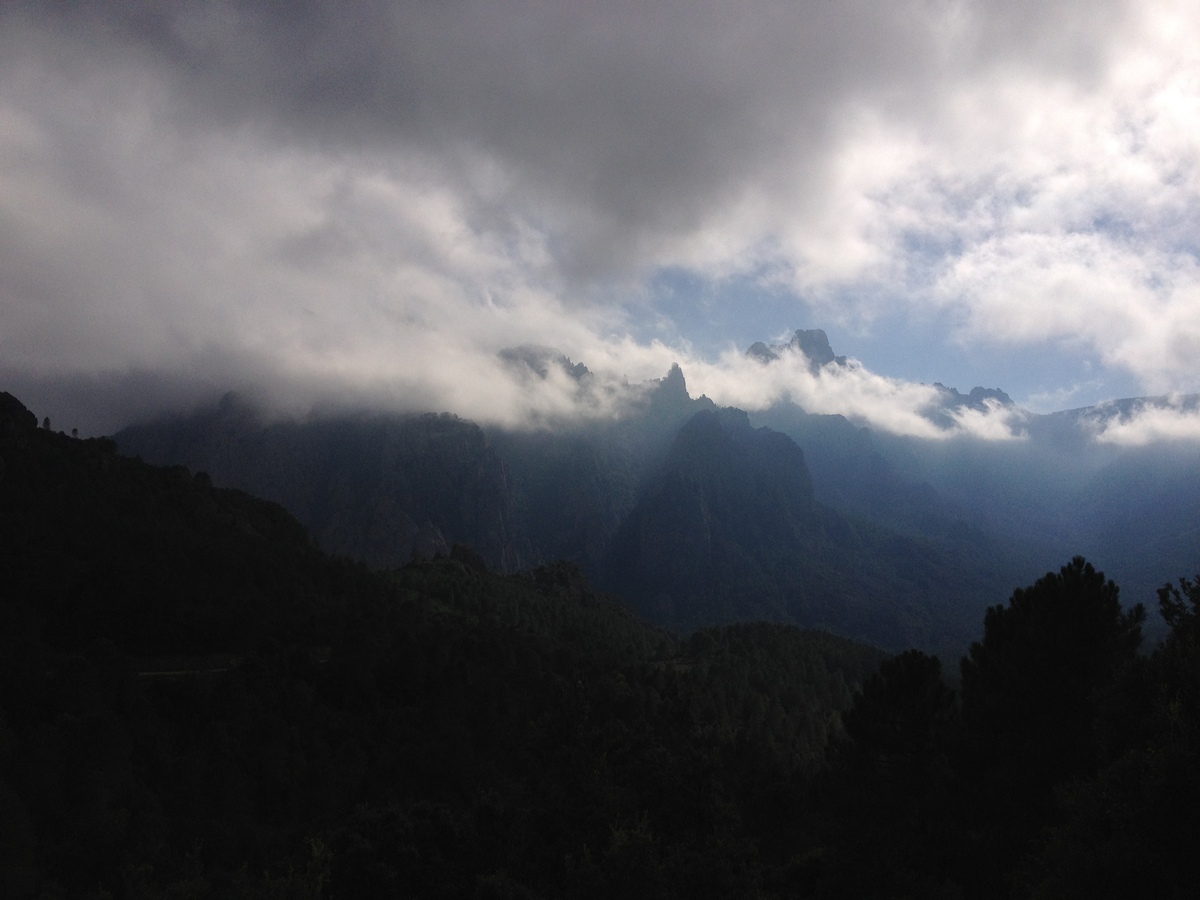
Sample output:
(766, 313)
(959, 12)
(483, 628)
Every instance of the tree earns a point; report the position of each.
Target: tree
(1030, 687)
(1176, 664)
(892, 781)
(901, 718)
(1173, 603)
(1031, 694)
(1133, 830)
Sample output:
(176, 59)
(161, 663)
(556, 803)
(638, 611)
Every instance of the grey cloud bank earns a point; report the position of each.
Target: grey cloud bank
(367, 202)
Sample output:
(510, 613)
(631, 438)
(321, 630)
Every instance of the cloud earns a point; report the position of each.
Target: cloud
(1057, 399)
(368, 204)
(1136, 308)
(1172, 419)
(1056, 212)
(888, 404)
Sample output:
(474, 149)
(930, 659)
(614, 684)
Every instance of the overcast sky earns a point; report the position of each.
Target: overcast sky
(366, 201)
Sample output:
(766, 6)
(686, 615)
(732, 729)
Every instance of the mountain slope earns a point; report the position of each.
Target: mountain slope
(374, 487)
(155, 559)
(730, 530)
(574, 485)
(438, 730)
(696, 517)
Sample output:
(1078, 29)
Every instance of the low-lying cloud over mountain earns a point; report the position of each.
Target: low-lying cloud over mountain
(366, 204)
(1146, 421)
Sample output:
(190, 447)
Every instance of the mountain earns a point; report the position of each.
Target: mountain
(574, 485)
(894, 539)
(1143, 516)
(195, 701)
(729, 506)
(1058, 491)
(730, 530)
(374, 487)
(813, 343)
(674, 486)
(853, 473)
(1052, 492)
(157, 560)
(381, 487)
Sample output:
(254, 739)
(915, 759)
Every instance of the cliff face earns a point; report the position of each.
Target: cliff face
(729, 501)
(394, 486)
(724, 487)
(729, 529)
(574, 486)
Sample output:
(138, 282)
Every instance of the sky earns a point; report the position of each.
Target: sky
(365, 202)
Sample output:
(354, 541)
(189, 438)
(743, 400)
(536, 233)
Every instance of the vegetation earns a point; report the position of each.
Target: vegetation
(195, 702)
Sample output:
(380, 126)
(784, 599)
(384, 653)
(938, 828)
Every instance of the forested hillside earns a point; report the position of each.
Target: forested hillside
(197, 703)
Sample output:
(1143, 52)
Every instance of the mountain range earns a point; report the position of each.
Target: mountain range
(196, 701)
(698, 515)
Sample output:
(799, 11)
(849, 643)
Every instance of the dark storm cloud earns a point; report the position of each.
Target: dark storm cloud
(621, 123)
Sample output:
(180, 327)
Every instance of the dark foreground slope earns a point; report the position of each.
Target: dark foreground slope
(195, 702)
(154, 559)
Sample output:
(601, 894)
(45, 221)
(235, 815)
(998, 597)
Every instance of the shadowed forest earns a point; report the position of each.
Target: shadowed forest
(196, 701)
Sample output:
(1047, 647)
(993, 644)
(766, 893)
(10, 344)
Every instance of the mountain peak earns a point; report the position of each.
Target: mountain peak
(813, 343)
(977, 399)
(762, 352)
(673, 386)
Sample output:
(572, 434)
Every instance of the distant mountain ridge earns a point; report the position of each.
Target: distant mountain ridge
(677, 500)
(881, 537)
(374, 487)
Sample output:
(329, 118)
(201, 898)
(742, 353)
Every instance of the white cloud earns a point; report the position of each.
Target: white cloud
(887, 404)
(1175, 419)
(1137, 309)
(1042, 211)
